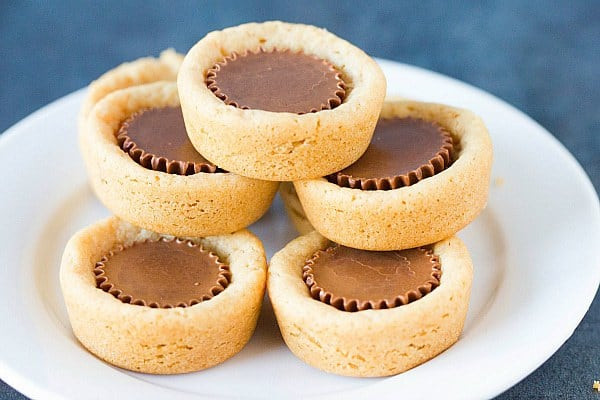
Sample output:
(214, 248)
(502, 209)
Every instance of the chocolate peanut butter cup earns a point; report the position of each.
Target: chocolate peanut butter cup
(373, 342)
(402, 152)
(277, 81)
(136, 314)
(162, 273)
(140, 162)
(356, 280)
(271, 100)
(156, 138)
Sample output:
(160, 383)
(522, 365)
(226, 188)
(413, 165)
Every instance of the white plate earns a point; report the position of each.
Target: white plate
(534, 250)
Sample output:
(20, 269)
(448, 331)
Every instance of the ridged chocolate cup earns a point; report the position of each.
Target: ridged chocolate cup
(157, 162)
(104, 282)
(353, 304)
(212, 80)
(436, 164)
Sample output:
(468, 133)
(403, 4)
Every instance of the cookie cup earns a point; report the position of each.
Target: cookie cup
(278, 145)
(162, 340)
(202, 204)
(138, 72)
(368, 343)
(428, 211)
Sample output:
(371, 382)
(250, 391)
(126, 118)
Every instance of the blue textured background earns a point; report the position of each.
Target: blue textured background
(542, 57)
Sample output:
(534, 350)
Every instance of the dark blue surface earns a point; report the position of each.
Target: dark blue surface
(542, 57)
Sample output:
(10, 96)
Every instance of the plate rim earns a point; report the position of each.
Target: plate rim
(32, 389)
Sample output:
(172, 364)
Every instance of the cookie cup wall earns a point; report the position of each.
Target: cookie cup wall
(294, 209)
(133, 73)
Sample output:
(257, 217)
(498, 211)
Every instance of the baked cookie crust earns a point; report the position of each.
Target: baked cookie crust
(294, 209)
(372, 342)
(137, 72)
(161, 340)
(197, 205)
(278, 145)
(426, 212)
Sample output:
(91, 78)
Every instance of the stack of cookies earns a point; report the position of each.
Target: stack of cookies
(174, 282)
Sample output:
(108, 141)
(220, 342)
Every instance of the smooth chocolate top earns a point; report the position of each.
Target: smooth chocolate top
(354, 280)
(164, 273)
(402, 152)
(157, 139)
(278, 81)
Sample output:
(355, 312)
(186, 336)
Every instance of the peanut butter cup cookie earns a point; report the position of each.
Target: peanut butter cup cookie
(279, 101)
(144, 169)
(369, 313)
(138, 72)
(424, 177)
(158, 304)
